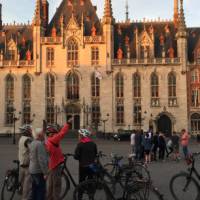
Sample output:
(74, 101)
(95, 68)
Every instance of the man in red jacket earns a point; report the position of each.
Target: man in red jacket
(56, 158)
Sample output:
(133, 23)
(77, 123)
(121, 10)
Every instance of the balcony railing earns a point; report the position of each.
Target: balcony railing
(94, 39)
(155, 102)
(172, 102)
(155, 61)
(16, 63)
(51, 40)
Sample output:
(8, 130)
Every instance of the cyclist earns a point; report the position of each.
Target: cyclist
(38, 166)
(23, 155)
(56, 158)
(85, 153)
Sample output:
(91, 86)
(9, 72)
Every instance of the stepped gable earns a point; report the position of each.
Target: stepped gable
(78, 7)
(166, 29)
(193, 38)
(21, 34)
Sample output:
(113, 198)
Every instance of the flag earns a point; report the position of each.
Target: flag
(98, 75)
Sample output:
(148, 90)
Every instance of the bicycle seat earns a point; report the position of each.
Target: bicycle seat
(118, 158)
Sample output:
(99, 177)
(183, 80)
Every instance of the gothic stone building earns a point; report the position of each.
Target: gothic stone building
(106, 74)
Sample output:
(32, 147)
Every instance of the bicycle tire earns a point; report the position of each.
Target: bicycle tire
(65, 185)
(151, 194)
(9, 187)
(92, 190)
(183, 186)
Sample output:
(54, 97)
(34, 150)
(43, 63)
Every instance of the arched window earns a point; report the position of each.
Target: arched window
(136, 86)
(72, 53)
(119, 85)
(50, 95)
(95, 86)
(195, 123)
(154, 90)
(171, 85)
(26, 98)
(9, 99)
(72, 86)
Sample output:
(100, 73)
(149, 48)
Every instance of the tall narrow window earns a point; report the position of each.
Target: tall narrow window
(119, 99)
(26, 98)
(119, 85)
(136, 86)
(172, 90)
(194, 76)
(154, 90)
(72, 86)
(95, 86)
(72, 53)
(94, 55)
(195, 123)
(50, 95)
(137, 114)
(95, 114)
(195, 97)
(50, 56)
(9, 100)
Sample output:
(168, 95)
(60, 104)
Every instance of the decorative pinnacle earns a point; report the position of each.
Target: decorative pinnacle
(182, 25)
(176, 7)
(108, 14)
(37, 16)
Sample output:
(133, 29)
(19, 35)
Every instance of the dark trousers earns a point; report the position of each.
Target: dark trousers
(38, 187)
(161, 153)
(155, 152)
(85, 173)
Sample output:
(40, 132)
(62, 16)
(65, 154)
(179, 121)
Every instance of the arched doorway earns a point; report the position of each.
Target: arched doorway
(73, 110)
(164, 125)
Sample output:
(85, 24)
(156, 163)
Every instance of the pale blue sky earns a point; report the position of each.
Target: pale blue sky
(23, 10)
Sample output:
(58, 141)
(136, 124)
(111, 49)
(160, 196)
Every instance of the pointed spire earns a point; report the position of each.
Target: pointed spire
(127, 12)
(182, 25)
(176, 8)
(108, 14)
(37, 16)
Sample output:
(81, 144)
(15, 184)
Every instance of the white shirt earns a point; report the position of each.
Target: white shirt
(133, 139)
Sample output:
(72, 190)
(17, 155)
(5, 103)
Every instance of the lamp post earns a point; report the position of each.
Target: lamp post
(104, 124)
(14, 119)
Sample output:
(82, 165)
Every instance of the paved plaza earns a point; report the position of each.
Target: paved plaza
(161, 172)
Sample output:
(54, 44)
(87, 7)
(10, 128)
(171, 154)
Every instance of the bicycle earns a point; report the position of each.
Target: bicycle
(66, 177)
(11, 183)
(98, 189)
(183, 185)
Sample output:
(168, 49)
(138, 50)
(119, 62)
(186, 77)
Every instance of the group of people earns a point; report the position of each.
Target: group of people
(41, 160)
(148, 146)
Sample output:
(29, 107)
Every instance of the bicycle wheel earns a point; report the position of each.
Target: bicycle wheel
(91, 190)
(184, 187)
(65, 187)
(9, 188)
(151, 194)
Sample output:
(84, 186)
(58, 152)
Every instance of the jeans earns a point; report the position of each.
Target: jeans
(38, 187)
(185, 151)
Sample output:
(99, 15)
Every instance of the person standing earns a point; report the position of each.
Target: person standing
(185, 142)
(56, 158)
(24, 160)
(175, 143)
(155, 145)
(85, 153)
(132, 139)
(38, 166)
(147, 148)
(162, 146)
(138, 144)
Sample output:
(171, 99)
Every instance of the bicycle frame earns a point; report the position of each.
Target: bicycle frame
(192, 170)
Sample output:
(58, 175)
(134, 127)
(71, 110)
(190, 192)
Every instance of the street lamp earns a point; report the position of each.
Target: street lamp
(104, 124)
(14, 119)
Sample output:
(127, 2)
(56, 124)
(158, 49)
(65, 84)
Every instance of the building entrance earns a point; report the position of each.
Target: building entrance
(74, 112)
(164, 125)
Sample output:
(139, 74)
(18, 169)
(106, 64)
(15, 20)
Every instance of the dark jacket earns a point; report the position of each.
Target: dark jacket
(86, 153)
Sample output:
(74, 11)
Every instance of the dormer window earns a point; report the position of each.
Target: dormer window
(11, 53)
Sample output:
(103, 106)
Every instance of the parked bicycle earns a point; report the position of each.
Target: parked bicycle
(11, 184)
(98, 188)
(186, 185)
(66, 178)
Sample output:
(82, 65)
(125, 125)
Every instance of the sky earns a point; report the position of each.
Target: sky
(23, 10)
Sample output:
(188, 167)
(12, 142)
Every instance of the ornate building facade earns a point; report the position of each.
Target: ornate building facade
(106, 74)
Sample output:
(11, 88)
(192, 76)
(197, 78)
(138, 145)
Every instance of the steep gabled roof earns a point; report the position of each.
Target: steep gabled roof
(78, 8)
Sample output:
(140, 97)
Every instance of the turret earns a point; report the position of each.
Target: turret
(45, 13)
(108, 32)
(182, 38)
